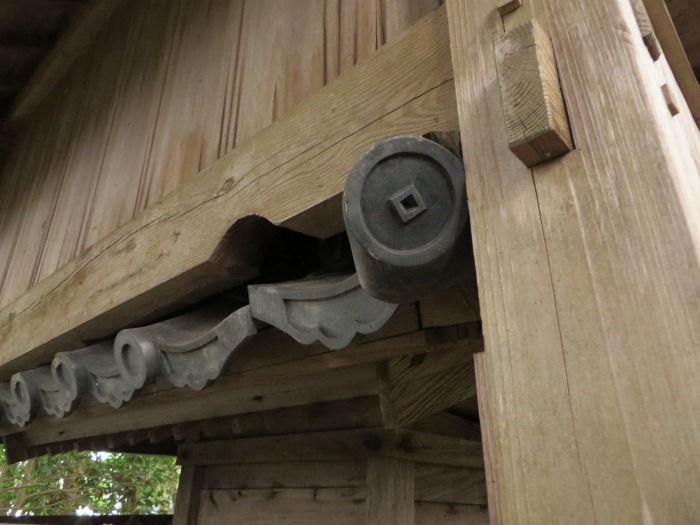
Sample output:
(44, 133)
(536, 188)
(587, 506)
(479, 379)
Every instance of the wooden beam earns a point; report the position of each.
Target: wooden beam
(428, 513)
(390, 492)
(339, 445)
(455, 305)
(313, 506)
(404, 88)
(331, 415)
(588, 272)
(70, 46)
(324, 376)
(417, 386)
(228, 399)
(286, 475)
(441, 484)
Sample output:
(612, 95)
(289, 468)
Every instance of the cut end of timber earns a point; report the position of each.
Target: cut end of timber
(533, 106)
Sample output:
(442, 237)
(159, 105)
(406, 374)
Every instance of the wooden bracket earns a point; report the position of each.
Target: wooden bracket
(533, 106)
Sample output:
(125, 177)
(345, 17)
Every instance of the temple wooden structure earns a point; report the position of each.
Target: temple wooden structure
(178, 275)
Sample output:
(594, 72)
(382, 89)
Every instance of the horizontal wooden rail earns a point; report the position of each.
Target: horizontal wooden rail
(286, 173)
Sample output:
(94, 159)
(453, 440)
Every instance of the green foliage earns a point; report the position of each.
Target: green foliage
(103, 483)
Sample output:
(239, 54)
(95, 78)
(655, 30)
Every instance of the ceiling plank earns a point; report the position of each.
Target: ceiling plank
(71, 45)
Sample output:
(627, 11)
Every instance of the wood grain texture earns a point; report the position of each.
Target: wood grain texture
(344, 506)
(339, 445)
(682, 55)
(455, 305)
(449, 514)
(254, 385)
(438, 483)
(588, 276)
(187, 502)
(414, 387)
(533, 106)
(164, 254)
(155, 252)
(390, 492)
(308, 474)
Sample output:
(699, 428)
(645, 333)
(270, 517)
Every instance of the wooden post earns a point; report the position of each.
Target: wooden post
(390, 492)
(188, 495)
(588, 269)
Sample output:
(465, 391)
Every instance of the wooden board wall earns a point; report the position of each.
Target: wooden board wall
(168, 88)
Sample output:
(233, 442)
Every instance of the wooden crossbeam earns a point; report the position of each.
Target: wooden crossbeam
(413, 387)
(282, 173)
(336, 445)
(299, 379)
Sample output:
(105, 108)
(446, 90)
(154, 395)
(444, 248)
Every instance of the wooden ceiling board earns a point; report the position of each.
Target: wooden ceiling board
(29, 30)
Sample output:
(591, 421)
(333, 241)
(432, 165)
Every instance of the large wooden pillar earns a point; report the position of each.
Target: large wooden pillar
(589, 277)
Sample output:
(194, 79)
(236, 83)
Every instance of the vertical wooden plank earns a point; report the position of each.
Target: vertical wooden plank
(147, 43)
(632, 213)
(587, 386)
(187, 501)
(274, 73)
(528, 430)
(390, 492)
(29, 210)
(398, 16)
(188, 130)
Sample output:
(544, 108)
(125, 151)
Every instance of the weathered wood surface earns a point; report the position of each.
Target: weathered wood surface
(187, 502)
(436, 483)
(321, 506)
(281, 474)
(588, 277)
(533, 106)
(165, 252)
(675, 25)
(416, 386)
(449, 514)
(304, 375)
(455, 305)
(338, 445)
(328, 415)
(390, 492)
(441, 484)
(344, 506)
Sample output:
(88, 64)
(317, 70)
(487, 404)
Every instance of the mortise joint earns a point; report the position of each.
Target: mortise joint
(670, 100)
